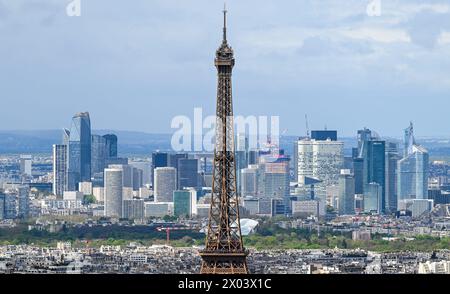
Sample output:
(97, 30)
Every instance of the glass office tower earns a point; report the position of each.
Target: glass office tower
(79, 151)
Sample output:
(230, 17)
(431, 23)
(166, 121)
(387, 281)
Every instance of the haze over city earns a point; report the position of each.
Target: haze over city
(148, 62)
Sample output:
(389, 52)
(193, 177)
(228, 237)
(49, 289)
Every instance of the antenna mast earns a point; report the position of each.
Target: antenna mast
(307, 126)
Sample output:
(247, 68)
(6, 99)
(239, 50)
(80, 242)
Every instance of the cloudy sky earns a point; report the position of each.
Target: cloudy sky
(134, 65)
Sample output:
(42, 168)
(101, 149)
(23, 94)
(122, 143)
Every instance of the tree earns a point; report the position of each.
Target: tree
(89, 199)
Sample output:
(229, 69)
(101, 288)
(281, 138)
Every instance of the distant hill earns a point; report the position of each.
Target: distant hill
(140, 143)
(41, 141)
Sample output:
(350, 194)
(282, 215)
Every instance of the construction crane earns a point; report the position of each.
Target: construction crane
(168, 229)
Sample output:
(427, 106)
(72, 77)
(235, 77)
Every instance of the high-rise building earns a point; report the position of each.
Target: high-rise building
(320, 160)
(79, 151)
(10, 206)
(275, 171)
(159, 159)
(26, 165)
(413, 169)
(137, 178)
(98, 154)
(358, 172)
(252, 157)
(111, 145)
(185, 203)
(59, 169)
(174, 158)
(146, 170)
(375, 168)
(187, 173)
(2, 206)
(165, 182)
(417, 207)
(133, 209)
(413, 174)
(158, 209)
(408, 140)
(242, 146)
(127, 173)
(324, 135)
(23, 201)
(251, 181)
(373, 195)
(65, 137)
(346, 193)
(113, 192)
(364, 136)
(391, 177)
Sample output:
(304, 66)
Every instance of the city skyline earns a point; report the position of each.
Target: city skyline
(350, 62)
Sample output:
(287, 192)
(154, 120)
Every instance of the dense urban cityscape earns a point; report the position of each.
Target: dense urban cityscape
(323, 207)
(319, 203)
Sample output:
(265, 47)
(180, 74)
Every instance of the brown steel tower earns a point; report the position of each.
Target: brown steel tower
(224, 252)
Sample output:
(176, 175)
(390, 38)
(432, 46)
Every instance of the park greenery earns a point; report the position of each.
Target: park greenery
(270, 236)
(267, 236)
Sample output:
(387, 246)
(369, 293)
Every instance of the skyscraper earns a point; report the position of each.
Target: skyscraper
(59, 169)
(391, 177)
(346, 193)
(358, 172)
(251, 181)
(25, 165)
(275, 171)
(187, 173)
(224, 251)
(408, 140)
(10, 206)
(2, 206)
(413, 169)
(111, 145)
(127, 174)
(79, 151)
(146, 169)
(98, 154)
(23, 201)
(165, 182)
(185, 203)
(137, 178)
(321, 160)
(373, 198)
(324, 135)
(113, 192)
(133, 209)
(242, 145)
(413, 174)
(375, 168)
(65, 137)
(174, 158)
(159, 159)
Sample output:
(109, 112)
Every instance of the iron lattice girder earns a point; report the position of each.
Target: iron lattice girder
(224, 252)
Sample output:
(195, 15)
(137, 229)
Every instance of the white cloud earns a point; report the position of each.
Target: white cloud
(382, 35)
(444, 38)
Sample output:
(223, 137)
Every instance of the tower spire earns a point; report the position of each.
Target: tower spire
(225, 22)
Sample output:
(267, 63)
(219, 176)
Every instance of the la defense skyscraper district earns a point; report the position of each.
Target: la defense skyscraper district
(224, 252)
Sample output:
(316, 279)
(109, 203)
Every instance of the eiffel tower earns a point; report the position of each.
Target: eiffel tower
(224, 252)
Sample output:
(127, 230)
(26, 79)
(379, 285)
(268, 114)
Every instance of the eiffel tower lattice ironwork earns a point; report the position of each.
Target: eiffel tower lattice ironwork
(224, 252)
